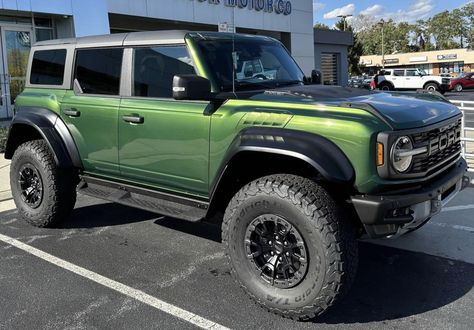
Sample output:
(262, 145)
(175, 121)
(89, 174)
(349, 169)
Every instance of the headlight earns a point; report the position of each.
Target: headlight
(402, 154)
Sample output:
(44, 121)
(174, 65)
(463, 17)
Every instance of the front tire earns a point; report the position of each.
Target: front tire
(43, 193)
(458, 88)
(431, 87)
(289, 246)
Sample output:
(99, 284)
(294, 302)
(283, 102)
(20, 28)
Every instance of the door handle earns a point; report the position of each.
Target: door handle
(134, 119)
(72, 112)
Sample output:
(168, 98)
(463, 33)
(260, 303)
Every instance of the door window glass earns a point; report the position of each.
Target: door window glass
(98, 70)
(398, 73)
(411, 73)
(155, 67)
(48, 67)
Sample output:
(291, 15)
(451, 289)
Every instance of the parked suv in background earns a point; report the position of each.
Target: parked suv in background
(167, 122)
(463, 81)
(411, 79)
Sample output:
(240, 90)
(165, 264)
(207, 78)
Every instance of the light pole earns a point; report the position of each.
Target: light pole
(344, 17)
(381, 23)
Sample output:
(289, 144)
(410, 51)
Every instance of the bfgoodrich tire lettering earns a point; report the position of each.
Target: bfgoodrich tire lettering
(58, 192)
(329, 241)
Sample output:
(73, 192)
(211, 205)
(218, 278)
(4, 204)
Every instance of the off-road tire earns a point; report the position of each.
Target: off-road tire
(431, 87)
(386, 87)
(329, 236)
(58, 185)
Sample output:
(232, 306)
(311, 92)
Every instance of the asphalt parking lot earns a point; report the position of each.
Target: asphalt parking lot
(422, 280)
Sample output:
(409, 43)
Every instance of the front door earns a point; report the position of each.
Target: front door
(163, 142)
(16, 45)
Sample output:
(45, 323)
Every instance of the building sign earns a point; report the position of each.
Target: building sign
(366, 62)
(391, 61)
(418, 59)
(447, 57)
(268, 6)
(226, 27)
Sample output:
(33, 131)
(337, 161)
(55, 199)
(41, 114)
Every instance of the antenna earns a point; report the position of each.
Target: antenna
(234, 56)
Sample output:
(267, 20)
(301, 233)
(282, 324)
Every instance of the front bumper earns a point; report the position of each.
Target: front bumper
(393, 215)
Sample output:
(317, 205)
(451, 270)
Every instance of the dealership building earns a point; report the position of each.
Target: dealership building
(451, 61)
(23, 22)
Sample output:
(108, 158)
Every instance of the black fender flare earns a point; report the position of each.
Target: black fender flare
(319, 152)
(431, 82)
(53, 130)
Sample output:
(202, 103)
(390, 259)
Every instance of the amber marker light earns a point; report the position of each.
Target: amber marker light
(379, 154)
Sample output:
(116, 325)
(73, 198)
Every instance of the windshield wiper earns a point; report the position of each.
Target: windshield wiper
(288, 83)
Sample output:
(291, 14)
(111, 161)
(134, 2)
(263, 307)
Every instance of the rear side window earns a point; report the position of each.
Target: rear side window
(98, 70)
(48, 67)
(398, 73)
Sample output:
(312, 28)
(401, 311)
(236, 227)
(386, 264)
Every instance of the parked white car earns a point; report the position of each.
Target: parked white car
(410, 79)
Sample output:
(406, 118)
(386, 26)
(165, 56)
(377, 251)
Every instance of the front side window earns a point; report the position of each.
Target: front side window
(411, 73)
(48, 67)
(155, 67)
(249, 64)
(98, 70)
(398, 73)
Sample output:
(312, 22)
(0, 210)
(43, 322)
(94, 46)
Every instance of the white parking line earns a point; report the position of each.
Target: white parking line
(114, 285)
(458, 208)
(447, 225)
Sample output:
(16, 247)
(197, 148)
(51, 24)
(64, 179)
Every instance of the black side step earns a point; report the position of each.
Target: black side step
(145, 199)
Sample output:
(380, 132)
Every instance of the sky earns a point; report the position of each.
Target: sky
(400, 10)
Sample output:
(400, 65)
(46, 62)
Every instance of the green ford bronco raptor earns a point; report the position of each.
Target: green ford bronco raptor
(193, 125)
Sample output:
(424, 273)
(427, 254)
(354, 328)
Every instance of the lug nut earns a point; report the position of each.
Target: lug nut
(286, 243)
(269, 242)
(287, 254)
(276, 237)
(272, 253)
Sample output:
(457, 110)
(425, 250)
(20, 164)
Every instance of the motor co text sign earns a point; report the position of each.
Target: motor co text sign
(268, 6)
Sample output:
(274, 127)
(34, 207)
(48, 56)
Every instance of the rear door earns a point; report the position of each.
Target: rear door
(398, 79)
(162, 142)
(91, 109)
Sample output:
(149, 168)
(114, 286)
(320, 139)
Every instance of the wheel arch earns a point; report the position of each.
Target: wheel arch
(258, 151)
(32, 123)
(431, 82)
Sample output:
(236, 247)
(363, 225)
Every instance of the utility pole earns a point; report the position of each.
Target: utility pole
(381, 24)
(344, 17)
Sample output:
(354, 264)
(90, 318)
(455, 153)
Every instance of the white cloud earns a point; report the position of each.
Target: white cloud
(346, 10)
(419, 9)
(318, 6)
(374, 10)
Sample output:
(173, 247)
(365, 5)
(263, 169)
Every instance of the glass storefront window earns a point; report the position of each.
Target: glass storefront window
(451, 67)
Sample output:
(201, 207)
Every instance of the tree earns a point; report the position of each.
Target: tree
(444, 29)
(467, 13)
(354, 52)
(321, 26)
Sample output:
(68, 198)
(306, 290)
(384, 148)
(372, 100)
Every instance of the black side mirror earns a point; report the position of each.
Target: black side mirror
(191, 87)
(316, 77)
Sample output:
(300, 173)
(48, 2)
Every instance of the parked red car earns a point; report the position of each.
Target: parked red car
(463, 81)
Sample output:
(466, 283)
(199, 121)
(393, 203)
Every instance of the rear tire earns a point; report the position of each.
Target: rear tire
(458, 88)
(386, 87)
(43, 193)
(294, 220)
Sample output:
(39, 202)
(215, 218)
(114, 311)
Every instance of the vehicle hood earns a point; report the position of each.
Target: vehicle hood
(400, 110)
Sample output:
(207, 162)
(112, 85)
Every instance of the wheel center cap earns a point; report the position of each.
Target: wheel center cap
(278, 248)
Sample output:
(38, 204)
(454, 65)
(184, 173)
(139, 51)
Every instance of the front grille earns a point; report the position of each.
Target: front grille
(444, 147)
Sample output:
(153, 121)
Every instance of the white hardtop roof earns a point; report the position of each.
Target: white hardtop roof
(120, 39)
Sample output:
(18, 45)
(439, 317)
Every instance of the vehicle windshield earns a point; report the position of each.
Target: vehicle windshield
(249, 64)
